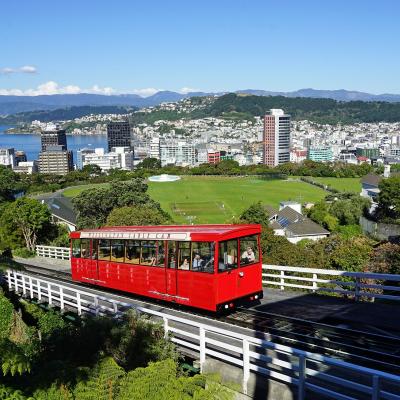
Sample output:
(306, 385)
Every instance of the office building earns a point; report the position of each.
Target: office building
(53, 136)
(80, 156)
(154, 148)
(276, 138)
(118, 158)
(54, 157)
(320, 154)
(7, 157)
(55, 160)
(213, 156)
(27, 167)
(20, 156)
(177, 153)
(369, 152)
(119, 134)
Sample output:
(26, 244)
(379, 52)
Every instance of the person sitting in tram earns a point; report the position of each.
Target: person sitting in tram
(197, 262)
(185, 264)
(248, 255)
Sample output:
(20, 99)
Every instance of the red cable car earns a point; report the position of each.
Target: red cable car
(213, 267)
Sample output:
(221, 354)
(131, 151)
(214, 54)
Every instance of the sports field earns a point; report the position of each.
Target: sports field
(342, 184)
(219, 199)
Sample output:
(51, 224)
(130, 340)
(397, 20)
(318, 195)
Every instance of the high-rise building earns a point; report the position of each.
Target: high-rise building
(55, 160)
(276, 138)
(119, 134)
(54, 136)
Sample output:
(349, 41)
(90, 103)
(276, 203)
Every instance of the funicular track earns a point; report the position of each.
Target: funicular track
(361, 347)
(381, 352)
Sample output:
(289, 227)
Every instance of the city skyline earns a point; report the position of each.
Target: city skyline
(137, 48)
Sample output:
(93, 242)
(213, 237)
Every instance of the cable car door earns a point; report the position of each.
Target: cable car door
(172, 269)
(93, 265)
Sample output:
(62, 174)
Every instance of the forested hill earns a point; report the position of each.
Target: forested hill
(63, 114)
(318, 110)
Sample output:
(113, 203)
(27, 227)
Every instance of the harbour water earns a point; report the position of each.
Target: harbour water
(30, 143)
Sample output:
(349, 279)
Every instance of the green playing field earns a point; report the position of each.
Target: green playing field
(219, 199)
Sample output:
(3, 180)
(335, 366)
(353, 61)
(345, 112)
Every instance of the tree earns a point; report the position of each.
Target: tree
(255, 214)
(385, 259)
(349, 211)
(389, 198)
(92, 170)
(9, 182)
(29, 217)
(150, 163)
(319, 212)
(94, 205)
(135, 215)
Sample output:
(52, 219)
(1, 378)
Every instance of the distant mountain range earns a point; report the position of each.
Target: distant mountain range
(15, 104)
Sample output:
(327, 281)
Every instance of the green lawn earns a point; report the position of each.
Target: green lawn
(75, 190)
(342, 184)
(218, 199)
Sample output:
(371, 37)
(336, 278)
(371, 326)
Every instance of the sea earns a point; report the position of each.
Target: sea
(30, 143)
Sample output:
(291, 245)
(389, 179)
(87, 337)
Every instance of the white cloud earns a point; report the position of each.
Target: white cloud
(146, 92)
(186, 90)
(6, 71)
(26, 69)
(52, 87)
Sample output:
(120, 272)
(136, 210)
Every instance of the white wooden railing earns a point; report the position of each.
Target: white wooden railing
(358, 285)
(354, 284)
(61, 253)
(306, 372)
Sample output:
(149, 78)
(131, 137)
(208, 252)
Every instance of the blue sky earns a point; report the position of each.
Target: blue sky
(138, 46)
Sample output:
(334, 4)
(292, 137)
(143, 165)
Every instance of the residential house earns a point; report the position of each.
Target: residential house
(288, 221)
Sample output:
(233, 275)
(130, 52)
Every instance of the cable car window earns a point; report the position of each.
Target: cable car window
(160, 261)
(171, 254)
(149, 252)
(184, 255)
(227, 258)
(202, 257)
(95, 245)
(249, 253)
(117, 250)
(132, 253)
(104, 250)
(85, 248)
(76, 248)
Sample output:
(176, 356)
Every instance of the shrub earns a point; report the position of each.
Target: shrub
(23, 252)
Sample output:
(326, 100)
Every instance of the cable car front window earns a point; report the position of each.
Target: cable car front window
(76, 248)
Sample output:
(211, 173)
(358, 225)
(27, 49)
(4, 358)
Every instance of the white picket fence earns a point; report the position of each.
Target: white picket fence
(61, 253)
(354, 284)
(305, 372)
